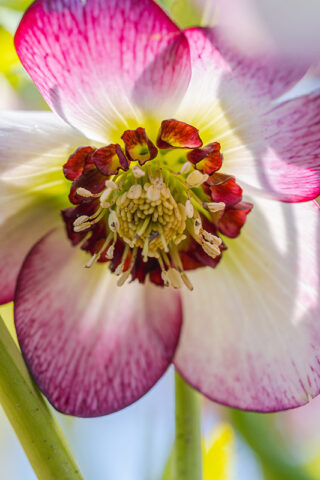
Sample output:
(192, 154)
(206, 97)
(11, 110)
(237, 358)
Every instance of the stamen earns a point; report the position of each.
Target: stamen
(113, 221)
(95, 218)
(189, 209)
(196, 178)
(186, 167)
(153, 193)
(214, 207)
(120, 267)
(83, 192)
(135, 191)
(126, 274)
(138, 172)
(174, 278)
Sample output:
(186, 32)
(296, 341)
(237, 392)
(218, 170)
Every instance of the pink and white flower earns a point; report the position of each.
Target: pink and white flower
(185, 106)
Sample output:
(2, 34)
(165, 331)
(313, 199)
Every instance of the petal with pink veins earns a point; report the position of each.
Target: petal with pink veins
(105, 65)
(275, 150)
(225, 80)
(33, 190)
(281, 153)
(251, 333)
(102, 352)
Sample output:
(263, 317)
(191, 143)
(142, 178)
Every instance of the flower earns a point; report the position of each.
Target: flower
(150, 114)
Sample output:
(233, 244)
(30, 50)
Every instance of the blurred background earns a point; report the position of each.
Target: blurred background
(135, 444)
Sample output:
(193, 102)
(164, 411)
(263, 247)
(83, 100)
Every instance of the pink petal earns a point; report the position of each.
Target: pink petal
(33, 148)
(261, 77)
(225, 81)
(92, 347)
(251, 332)
(102, 64)
(282, 157)
(275, 152)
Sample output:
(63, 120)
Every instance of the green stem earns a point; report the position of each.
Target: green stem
(35, 427)
(188, 452)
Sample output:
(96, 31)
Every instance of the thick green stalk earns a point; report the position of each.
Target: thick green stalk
(188, 453)
(35, 427)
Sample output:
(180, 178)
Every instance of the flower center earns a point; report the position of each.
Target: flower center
(148, 213)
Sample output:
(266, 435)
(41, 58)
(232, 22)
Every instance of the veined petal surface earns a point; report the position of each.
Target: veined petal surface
(251, 332)
(33, 148)
(92, 347)
(273, 150)
(105, 65)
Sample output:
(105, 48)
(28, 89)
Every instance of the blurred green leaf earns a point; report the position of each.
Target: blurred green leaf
(259, 432)
(186, 13)
(16, 4)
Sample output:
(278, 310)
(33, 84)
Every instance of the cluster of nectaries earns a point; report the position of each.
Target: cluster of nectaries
(148, 213)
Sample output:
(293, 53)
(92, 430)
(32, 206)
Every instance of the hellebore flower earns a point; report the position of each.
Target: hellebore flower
(159, 129)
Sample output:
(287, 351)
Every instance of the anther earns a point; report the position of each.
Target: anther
(214, 207)
(174, 278)
(113, 221)
(189, 209)
(196, 178)
(138, 172)
(186, 167)
(83, 192)
(135, 191)
(153, 193)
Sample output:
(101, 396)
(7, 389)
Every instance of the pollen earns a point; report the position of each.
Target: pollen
(150, 218)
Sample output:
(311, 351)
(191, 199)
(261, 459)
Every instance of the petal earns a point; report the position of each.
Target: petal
(224, 189)
(33, 148)
(78, 163)
(92, 347)
(282, 154)
(109, 160)
(19, 232)
(255, 343)
(233, 219)
(227, 79)
(207, 159)
(103, 64)
(275, 152)
(176, 134)
(138, 146)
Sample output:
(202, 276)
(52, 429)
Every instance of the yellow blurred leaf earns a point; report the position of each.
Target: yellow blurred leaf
(217, 459)
(16, 4)
(6, 312)
(8, 56)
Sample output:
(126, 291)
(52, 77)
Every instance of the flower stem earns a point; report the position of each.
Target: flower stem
(188, 452)
(35, 427)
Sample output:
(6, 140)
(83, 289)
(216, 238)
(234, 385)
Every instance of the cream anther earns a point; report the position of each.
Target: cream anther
(196, 178)
(138, 172)
(80, 220)
(214, 207)
(174, 278)
(135, 191)
(186, 167)
(153, 193)
(104, 198)
(189, 209)
(113, 221)
(111, 184)
(197, 225)
(83, 192)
